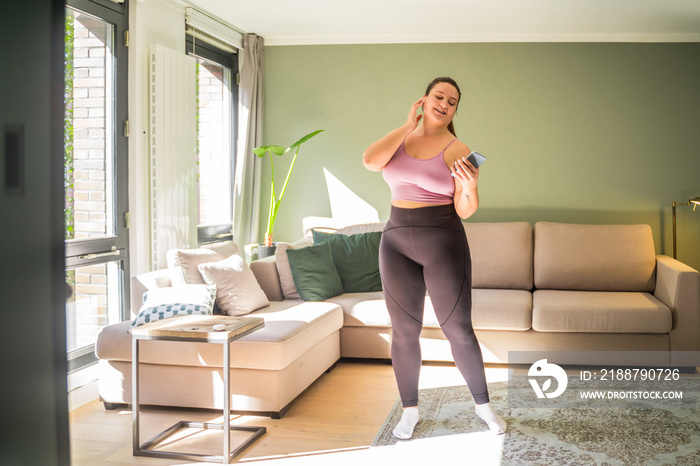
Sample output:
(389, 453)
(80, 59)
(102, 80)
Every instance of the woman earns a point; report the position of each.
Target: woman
(424, 245)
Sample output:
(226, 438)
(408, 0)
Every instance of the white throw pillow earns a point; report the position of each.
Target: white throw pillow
(237, 291)
(161, 303)
(183, 263)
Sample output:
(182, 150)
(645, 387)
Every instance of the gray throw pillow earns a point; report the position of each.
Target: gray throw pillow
(289, 289)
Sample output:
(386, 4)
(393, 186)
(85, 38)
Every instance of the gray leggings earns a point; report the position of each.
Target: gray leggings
(426, 248)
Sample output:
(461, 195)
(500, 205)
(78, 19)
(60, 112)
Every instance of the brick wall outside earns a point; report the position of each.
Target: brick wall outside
(213, 169)
(89, 117)
(90, 165)
(91, 303)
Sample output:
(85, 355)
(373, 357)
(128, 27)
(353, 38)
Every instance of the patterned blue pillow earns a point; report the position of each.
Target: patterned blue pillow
(161, 303)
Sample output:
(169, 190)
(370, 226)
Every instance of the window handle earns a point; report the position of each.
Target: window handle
(223, 235)
(112, 252)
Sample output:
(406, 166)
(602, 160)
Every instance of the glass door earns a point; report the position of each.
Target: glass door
(95, 158)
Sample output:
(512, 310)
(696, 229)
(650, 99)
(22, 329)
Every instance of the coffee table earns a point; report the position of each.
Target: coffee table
(190, 328)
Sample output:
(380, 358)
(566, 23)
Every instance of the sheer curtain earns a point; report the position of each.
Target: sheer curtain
(246, 196)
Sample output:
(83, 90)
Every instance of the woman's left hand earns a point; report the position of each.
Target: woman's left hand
(466, 174)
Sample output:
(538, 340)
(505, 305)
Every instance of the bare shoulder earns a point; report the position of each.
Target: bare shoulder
(457, 150)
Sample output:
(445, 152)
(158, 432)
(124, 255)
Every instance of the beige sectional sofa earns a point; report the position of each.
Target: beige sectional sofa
(579, 289)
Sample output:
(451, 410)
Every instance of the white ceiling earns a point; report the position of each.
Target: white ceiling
(297, 22)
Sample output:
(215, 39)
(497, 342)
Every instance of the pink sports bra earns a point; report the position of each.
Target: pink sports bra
(428, 181)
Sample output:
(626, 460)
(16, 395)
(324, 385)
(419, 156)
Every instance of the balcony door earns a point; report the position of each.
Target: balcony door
(95, 172)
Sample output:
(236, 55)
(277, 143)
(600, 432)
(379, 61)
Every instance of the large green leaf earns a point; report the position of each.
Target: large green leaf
(279, 150)
(304, 139)
(262, 150)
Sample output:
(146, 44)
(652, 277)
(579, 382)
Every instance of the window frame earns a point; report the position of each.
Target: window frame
(199, 48)
(80, 253)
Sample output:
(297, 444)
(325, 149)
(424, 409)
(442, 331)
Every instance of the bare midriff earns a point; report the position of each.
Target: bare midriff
(412, 204)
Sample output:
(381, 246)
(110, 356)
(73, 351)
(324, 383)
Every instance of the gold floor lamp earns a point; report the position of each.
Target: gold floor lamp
(694, 202)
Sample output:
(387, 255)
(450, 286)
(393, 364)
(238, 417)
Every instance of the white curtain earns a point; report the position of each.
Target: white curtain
(173, 156)
(246, 195)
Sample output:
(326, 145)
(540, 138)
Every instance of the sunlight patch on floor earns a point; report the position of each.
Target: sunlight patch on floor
(482, 448)
(447, 375)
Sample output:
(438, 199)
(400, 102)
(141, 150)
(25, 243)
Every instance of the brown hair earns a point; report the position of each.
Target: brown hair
(452, 82)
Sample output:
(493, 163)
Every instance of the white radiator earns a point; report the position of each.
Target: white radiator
(172, 153)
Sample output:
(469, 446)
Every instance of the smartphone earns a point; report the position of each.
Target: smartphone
(476, 159)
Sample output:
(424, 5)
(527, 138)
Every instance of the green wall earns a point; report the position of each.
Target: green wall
(573, 132)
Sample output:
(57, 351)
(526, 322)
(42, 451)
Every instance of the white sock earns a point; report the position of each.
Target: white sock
(489, 416)
(409, 419)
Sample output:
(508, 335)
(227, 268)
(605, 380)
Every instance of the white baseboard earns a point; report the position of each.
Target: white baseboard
(82, 387)
(82, 396)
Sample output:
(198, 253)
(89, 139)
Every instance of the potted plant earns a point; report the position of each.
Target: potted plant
(268, 247)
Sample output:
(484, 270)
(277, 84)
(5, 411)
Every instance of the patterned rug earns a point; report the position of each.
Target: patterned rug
(622, 433)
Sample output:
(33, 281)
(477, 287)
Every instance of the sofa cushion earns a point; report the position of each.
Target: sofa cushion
(291, 328)
(501, 309)
(363, 309)
(599, 312)
(314, 272)
(491, 310)
(237, 291)
(501, 255)
(267, 276)
(356, 258)
(594, 257)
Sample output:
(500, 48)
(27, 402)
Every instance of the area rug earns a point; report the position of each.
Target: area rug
(622, 433)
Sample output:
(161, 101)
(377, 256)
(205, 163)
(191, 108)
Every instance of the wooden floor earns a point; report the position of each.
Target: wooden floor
(342, 410)
(340, 413)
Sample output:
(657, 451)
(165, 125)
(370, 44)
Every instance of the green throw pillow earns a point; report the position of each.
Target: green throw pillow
(356, 258)
(314, 272)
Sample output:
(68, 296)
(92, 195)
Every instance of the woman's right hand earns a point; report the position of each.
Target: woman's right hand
(413, 117)
(380, 152)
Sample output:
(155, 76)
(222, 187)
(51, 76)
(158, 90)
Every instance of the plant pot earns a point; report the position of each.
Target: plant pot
(266, 251)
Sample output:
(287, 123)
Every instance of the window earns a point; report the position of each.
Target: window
(95, 167)
(217, 102)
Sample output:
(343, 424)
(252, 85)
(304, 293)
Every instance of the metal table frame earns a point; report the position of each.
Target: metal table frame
(228, 455)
